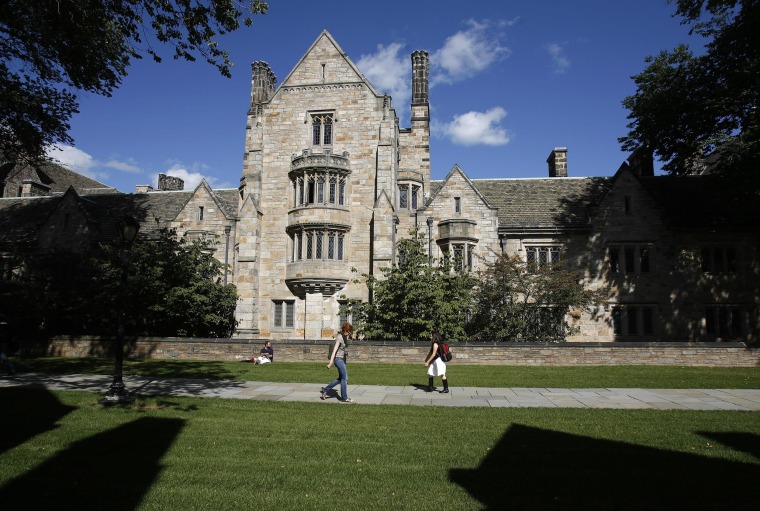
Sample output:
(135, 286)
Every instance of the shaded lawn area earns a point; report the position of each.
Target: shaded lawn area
(404, 374)
(63, 450)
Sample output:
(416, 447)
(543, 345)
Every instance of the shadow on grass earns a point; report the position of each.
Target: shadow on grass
(533, 468)
(206, 369)
(26, 413)
(111, 470)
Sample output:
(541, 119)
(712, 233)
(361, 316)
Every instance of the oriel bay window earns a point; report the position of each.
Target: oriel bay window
(319, 188)
(318, 243)
(462, 254)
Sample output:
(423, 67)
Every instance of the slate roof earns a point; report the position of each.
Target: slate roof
(21, 218)
(564, 203)
(546, 203)
(56, 177)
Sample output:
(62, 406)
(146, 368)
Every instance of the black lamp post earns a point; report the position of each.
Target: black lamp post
(117, 393)
(430, 240)
(227, 230)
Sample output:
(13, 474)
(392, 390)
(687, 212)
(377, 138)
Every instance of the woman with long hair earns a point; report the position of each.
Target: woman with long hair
(338, 357)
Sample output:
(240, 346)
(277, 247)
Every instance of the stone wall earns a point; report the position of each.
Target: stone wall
(523, 354)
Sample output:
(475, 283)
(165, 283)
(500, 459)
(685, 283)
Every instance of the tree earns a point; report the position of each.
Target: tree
(52, 50)
(412, 298)
(687, 108)
(518, 301)
(174, 290)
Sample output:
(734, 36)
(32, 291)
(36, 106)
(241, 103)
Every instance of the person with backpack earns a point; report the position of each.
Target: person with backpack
(436, 365)
(339, 356)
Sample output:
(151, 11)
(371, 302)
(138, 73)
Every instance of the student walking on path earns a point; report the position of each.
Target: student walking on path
(338, 357)
(436, 366)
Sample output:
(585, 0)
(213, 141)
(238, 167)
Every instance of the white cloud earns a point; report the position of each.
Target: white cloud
(476, 128)
(77, 160)
(468, 52)
(83, 163)
(388, 71)
(124, 166)
(559, 60)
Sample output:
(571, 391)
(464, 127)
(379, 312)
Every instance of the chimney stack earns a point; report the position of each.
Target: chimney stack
(262, 83)
(420, 74)
(641, 161)
(170, 183)
(558, 162)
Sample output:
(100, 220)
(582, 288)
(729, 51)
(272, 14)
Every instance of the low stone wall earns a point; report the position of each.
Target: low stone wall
(525, 354)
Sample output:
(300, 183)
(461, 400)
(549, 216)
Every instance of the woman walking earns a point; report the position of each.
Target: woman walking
(436, 366)
(338, 357)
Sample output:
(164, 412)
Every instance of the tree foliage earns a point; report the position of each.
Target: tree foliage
(52, 50)
(413, 298)
(517, 301)
(173, 289)
(688, 107)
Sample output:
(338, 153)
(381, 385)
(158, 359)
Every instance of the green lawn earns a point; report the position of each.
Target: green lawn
(62, 450)
(401, 374)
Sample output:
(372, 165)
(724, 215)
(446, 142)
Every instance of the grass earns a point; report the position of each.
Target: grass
(62, 449)
(404, 374)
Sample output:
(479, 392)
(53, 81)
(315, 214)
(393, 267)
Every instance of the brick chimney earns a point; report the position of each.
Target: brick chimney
(558, 162)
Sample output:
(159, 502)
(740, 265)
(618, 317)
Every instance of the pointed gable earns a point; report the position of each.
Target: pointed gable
(455, 180)
(325, 62)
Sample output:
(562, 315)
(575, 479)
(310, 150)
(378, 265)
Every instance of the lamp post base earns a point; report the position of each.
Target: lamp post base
(116, 395)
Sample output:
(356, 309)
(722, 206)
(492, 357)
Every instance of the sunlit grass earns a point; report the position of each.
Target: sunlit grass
(242, 454)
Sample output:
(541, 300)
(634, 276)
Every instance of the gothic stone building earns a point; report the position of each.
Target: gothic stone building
(330, 183)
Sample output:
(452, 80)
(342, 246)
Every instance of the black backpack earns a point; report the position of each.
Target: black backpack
(444, 352)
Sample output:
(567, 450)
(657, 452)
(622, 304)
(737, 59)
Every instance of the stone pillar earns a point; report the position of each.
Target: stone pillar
(313, 321)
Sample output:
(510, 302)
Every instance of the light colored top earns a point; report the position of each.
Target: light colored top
(342, 346)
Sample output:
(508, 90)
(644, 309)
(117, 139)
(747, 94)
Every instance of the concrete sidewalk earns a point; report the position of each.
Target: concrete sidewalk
(661, 399)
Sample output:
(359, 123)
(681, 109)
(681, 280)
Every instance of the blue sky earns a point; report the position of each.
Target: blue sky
(509, 81)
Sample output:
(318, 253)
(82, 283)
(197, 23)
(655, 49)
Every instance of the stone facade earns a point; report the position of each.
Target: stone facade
(330, 183)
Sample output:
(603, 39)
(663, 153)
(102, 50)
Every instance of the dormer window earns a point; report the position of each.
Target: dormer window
(321, 129)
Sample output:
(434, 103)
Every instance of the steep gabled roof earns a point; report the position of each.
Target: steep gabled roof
(325, 35)
(56, 177)
(456, 170)
(546, 203)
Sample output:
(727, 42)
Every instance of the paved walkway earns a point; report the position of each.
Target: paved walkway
(661, 399)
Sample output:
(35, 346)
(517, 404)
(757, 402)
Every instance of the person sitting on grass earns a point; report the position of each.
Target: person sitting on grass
(266, 355)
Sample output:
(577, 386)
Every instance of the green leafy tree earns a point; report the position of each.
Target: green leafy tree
(412, 298)
(688, 107)
(520, 302)
(53, 50)
(174, 289)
